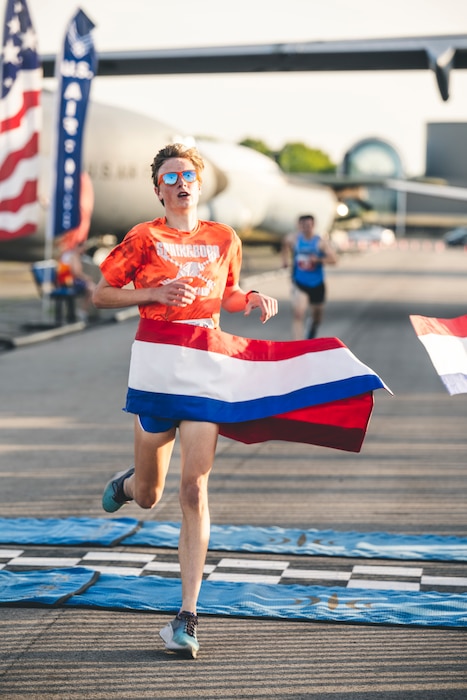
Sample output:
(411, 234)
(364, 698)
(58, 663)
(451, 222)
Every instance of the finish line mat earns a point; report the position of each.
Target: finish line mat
(233, 538)
(80, 587)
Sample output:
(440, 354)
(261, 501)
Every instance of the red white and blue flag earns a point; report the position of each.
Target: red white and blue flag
(445, 340)
(20, 124)
(311, 391)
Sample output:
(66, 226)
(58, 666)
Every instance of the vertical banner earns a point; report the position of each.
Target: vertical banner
(74, 69)
(20, 124)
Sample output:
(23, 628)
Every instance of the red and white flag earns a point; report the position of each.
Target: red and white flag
(445, 340)
(311, 391)
(20, 123)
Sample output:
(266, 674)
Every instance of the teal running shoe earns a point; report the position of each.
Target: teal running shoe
(180, 634)
(114, 497)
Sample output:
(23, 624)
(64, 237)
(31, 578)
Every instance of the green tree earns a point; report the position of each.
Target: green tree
(258, 145)
(300, 158)
(294, 157)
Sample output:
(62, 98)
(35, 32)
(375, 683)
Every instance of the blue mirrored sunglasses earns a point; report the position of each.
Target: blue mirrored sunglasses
(172, 178)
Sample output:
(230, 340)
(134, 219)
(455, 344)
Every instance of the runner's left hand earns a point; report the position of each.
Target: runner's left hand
(267, 305)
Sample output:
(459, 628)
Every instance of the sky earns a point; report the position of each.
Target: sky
(329, 111)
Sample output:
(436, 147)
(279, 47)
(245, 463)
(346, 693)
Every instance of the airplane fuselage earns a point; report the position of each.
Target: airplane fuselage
(241, 187)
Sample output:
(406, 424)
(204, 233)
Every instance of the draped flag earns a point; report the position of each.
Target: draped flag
(310, 391)
(20, 123)
(445, 340)
(74, 69)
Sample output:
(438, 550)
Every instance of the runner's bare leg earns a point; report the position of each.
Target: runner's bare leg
(152, 453)
(198, 445)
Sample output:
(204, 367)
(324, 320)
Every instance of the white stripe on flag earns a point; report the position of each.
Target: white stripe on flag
(25, 170)
(15, 139)
(190, 371)
(448, 353)
(12, 222)
(29, 81)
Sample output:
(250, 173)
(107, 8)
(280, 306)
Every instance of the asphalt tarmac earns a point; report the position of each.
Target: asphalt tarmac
(63, 434)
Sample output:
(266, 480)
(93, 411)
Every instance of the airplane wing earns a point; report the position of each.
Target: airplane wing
(437, 53)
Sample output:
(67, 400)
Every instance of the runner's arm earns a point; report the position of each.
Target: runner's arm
(329, 254)
(176, 293)
(235, 299)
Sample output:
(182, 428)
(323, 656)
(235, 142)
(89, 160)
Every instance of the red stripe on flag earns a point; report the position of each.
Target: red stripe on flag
(425, 325)
(29, 150)
(199, 338)
(30, 100)
(340, 425)
(25, 230)
(28, 195)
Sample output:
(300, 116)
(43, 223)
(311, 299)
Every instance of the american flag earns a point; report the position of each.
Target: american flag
(20, 122)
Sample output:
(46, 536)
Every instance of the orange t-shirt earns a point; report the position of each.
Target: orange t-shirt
(152, 254)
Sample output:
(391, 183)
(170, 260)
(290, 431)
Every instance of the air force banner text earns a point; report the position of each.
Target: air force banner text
(75, 69)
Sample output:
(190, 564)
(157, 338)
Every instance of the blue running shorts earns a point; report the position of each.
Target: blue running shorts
(152, 424)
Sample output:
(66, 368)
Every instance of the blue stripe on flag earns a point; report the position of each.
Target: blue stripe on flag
(178, 406)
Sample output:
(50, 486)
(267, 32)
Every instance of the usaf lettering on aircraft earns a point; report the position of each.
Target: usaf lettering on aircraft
(107, 170)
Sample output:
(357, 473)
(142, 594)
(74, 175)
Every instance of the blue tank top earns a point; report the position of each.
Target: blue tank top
(306, 272)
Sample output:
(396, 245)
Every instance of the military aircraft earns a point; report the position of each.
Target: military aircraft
(439, 54)
(251, 194)
(241, 187)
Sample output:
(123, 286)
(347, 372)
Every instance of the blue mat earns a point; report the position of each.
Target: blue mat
(328, 543)
(233, 538)
(52, 587)
(65, 531)
(83, 588)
